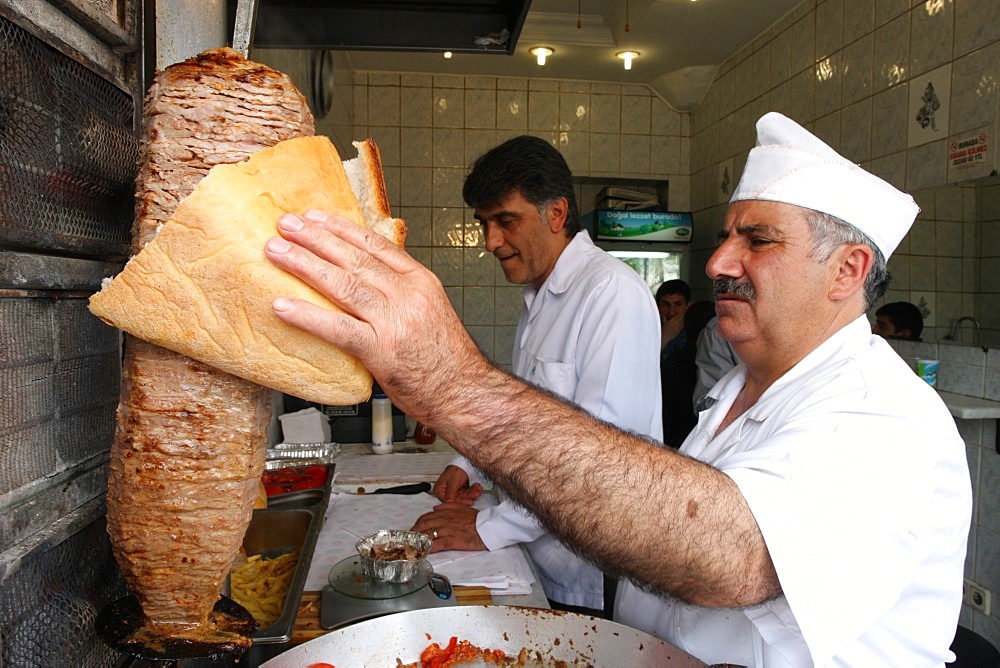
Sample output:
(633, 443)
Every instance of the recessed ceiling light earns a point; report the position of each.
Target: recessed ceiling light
(541, 53)
(447, 54)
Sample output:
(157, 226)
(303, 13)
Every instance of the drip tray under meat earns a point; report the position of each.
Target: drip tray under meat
(123, 626)
(253, 658)
(291, 522)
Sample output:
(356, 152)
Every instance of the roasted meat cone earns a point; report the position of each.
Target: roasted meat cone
(189, 444)
(185, 464)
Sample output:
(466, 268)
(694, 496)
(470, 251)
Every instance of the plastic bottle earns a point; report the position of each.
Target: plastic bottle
(381, 425)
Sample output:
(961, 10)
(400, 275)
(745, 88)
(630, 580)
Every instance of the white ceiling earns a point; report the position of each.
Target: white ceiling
(681, 44)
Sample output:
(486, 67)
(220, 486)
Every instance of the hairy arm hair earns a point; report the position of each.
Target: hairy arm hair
(669, 522)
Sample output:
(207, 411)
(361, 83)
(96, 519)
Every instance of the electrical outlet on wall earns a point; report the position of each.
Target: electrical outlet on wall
(976, 596)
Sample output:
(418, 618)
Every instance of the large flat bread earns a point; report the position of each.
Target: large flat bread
(203, 286)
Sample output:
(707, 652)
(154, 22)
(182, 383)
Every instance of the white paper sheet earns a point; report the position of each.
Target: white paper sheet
(397, 467)
(351, 517)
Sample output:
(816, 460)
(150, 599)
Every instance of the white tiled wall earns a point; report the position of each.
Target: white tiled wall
(430, 128)
(937, 264)
(844, 69)
(950, 263)
(972, 371)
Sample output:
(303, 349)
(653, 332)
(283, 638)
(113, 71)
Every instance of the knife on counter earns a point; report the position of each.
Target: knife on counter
(413, 488)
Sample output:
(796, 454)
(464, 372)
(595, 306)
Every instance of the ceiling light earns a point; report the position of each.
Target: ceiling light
(447, 54)
(628, 57)
(541, 53)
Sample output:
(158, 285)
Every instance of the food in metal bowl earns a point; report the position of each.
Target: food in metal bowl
(548, 638)
(393, 555)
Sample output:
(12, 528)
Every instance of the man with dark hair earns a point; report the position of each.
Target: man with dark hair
(524, 165)
(673, 298)
(587, 333)
(818, 514)
(898, 320)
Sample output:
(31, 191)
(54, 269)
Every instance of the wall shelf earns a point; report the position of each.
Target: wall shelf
(973, 408)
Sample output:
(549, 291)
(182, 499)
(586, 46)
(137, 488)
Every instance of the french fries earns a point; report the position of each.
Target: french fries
(261, 585)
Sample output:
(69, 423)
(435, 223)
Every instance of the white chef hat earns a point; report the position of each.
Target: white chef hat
(791, 165)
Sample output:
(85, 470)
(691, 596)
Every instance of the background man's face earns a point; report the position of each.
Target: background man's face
(886, 328)
(527, 242)
(672, 306)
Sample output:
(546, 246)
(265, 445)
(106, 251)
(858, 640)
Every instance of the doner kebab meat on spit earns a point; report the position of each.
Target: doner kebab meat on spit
(203, 348)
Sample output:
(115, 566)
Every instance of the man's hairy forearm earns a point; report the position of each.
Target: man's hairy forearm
(636, 509)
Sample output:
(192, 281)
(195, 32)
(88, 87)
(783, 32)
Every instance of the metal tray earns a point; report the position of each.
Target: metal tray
(290, 522)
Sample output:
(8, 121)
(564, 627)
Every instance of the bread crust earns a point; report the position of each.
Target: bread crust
(203, 287)
(368, 182)
(372, 159)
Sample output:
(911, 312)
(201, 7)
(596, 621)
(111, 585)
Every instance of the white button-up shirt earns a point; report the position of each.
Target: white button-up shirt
(591, 334)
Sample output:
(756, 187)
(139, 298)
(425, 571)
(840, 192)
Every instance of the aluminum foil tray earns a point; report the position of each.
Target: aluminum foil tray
(281, 455)
(399, 570)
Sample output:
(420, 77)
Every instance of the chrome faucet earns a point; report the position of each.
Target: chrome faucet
(958, 324)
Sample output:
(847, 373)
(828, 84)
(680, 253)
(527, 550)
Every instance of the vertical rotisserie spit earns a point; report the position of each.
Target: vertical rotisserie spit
(190, 439)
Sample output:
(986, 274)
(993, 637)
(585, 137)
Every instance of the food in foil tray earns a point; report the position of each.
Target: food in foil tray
(393, 555)
(289, 479)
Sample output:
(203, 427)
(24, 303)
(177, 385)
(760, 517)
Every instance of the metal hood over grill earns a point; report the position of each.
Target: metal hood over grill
(478, 26)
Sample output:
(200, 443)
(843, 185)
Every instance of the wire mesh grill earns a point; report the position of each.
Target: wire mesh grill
(48, 607)
(59, 376)
(68, 152)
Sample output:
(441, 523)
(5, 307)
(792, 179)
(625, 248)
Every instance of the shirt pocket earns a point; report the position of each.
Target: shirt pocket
(557, 377)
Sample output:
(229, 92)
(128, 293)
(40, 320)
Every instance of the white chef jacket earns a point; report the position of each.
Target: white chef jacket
(591, 334)
(714, 359)
(858, 479)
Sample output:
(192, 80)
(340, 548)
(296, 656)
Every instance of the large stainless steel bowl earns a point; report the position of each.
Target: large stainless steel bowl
(557, 636)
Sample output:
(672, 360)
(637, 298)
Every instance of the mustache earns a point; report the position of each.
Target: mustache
(731, 286)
